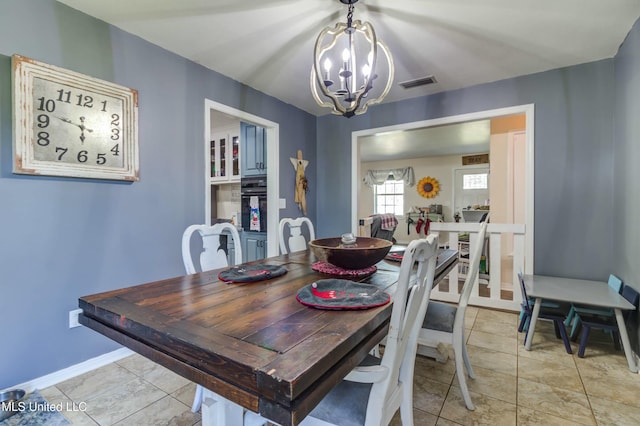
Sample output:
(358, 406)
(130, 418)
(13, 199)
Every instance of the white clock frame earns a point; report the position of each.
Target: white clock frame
(24, 137)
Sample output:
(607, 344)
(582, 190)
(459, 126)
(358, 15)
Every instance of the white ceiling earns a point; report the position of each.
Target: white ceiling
(268, 44)
(462, 138)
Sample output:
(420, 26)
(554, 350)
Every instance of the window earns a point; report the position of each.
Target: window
(477, 181)
(389, 197)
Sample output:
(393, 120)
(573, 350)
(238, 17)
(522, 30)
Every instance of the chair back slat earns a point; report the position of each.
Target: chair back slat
(615, 283)
(212, 255)
(631, 295)
(296, 241)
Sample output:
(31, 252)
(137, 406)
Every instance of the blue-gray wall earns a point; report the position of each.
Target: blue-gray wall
(573, 159)
(65, 238)
(626, 201)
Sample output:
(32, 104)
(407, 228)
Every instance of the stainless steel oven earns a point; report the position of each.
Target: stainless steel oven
(253, 187)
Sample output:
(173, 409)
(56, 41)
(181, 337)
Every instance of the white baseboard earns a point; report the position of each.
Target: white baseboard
(73, 371)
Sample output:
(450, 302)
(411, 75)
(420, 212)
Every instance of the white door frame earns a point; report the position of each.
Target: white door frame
(273, 172)
(527, 109)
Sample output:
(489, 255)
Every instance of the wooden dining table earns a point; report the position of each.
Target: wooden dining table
(253, 344)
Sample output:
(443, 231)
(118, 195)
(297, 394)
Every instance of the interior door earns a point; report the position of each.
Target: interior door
(471, 187)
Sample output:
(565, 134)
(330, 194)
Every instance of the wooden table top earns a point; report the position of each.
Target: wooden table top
(252, 343)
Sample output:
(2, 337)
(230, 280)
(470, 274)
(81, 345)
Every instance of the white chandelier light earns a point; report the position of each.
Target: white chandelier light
(353, 49)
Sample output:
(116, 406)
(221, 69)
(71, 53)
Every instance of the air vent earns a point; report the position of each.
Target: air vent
(423, 81)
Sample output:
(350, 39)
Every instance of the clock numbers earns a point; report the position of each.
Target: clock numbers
(43, 120)
(64, 96)
(48, 105)
(85, 101)
(43, 138)
(115, 127)
(55, 109)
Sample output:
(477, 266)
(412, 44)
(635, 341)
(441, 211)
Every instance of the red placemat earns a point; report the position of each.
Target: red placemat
(329, 269)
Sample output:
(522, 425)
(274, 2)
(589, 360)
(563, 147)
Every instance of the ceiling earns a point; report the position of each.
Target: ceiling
(268, 44)
(470, 137)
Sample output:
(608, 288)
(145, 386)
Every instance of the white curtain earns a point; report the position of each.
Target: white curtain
(377, 177)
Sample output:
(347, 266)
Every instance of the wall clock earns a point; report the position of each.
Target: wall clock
(68, 124)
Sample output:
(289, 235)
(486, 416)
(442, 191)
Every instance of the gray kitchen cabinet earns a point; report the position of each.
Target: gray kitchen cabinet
(253, 146)
(254, 246)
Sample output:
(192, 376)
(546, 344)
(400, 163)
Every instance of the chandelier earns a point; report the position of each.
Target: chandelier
(354, 49)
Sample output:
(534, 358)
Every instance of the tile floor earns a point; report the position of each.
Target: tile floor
(545, 386)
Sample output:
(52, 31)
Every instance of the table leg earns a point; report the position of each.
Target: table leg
(625, 341)
(532, 323)
(219, 411)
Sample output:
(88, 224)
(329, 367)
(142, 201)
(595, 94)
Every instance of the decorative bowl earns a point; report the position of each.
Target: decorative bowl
(363, 253)
(10, 402)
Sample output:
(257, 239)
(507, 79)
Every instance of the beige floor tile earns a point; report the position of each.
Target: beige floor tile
(122, 401)
(488, 411)
(75, 413)
(445, 422)
(491, 383)
(96, 382)
(434, 370)
(470, 316)
(506, 319)
(559, 402)
(613, 382)
(154, 373)
(166, 411)
(429, 395)
(550, 373)
(185, 394)
(546, 347)
(492, 360)
(529, 417)
(420, 418)
(612, 413)
(493, 342)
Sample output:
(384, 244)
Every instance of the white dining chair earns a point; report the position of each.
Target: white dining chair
(296, 240)
(211, 257)
(373, 392)
(444, 323)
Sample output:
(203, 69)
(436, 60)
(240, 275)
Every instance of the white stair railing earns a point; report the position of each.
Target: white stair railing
(513, 249)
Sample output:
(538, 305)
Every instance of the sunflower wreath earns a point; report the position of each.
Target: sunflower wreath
(428, 187)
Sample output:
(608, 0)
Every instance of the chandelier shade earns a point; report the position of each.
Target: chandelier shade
(352, 68)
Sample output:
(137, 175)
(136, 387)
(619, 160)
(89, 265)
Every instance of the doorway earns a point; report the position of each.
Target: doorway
(272, 130)
(470, 188)
(528, 134)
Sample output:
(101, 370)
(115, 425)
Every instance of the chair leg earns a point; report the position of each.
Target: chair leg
(524, 322)
(556, 328)
(462, 380)
(406, 404)
(197, 400)
(563, 334)
(467, 363)
(583, 340)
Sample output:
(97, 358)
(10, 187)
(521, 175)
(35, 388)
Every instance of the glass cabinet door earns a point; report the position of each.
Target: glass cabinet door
(223, 158)
(235, 157)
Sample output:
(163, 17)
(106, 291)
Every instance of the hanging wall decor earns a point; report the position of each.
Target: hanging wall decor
(299, 165)
(428, 187)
